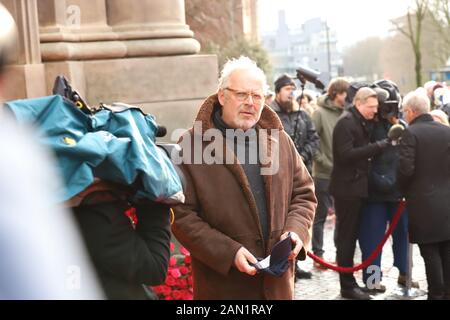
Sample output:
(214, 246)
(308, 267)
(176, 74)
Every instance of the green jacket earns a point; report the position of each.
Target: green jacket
(325, 119)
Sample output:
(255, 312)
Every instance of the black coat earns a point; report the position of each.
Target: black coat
(352, 153)
(424, 176)
(125, 258)
(306, 140)
(383, 184)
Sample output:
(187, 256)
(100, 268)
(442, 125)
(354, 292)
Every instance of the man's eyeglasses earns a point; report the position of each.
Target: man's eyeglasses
(243, 96)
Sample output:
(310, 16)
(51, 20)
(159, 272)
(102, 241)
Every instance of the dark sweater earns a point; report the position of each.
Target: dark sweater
(383, 169)
(251, 167)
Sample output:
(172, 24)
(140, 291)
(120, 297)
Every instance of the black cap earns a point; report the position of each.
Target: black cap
(284, 81)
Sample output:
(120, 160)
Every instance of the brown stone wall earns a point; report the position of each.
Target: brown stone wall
(222, 21)
(135, 51)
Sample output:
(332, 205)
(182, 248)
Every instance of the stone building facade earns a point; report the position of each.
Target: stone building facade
(135, 51)
(222, 21)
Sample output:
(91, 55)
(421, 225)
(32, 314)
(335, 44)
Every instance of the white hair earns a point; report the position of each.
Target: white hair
(242, 63)
(417, 102)
(441, 96)
(441, 115)
(422, 90)
(429, 85)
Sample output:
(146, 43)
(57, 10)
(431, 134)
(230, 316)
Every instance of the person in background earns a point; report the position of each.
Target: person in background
(269, 98)
(429, 87)
(384, 195)
(352, 153)
(440, 116)
(426, 185)
(330, 108)
(298, 124)
(306, 102)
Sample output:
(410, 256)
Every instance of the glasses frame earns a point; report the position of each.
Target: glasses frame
(258, 99)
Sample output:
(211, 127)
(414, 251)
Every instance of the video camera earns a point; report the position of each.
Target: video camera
(63, 88)
(320, 80)
(389, 98)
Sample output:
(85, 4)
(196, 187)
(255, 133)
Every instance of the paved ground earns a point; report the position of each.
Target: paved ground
(324, 285)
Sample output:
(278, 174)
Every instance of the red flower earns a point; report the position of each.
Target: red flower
(175, 272)
(131, 214)
(184, 251)
(170, 281)
(166, 291)
(184, 270)
(187, 295)
(172, 261)
(182, 283)
(177, 294)
(158, 290)
(178, 283)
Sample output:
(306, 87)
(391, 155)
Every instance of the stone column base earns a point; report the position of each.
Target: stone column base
(25, 81)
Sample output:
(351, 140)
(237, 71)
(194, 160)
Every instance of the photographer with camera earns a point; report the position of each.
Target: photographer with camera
(384, 196)
(296, 122)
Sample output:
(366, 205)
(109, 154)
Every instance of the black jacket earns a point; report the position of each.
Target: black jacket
(125, 258)
(352, 153)
(424, 176)
(306, 141)
(383, 184)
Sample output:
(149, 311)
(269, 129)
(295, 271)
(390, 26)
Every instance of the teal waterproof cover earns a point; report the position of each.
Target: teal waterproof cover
(113, 146)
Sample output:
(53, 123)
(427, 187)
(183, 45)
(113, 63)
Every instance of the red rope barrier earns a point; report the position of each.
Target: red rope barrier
(374, 254)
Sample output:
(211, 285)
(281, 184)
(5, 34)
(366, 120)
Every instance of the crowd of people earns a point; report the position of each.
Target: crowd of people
(359, 174)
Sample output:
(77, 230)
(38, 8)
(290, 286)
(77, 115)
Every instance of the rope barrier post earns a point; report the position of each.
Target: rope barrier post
(409, 270)
(408, 291)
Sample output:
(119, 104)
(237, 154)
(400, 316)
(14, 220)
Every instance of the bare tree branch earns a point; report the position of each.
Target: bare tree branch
(414, 24)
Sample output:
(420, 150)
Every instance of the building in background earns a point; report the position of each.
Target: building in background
(222, 21)
(135, 51)
(313, 45)
(441, 74)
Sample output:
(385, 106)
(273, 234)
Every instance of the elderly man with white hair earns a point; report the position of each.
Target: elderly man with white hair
(424, 176)
(236, 212)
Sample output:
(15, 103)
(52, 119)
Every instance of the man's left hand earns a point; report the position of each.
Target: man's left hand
(296, 241)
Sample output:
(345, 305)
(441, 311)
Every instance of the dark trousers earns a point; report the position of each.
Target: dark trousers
(324, 202)
(437, 266)
(375, 218)
(348, 212)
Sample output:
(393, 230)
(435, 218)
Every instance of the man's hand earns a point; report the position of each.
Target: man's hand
(296, 242)
(393, 120)
(383, 144)
(242, 259)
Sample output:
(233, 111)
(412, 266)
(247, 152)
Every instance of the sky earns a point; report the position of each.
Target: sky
(353, 20)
